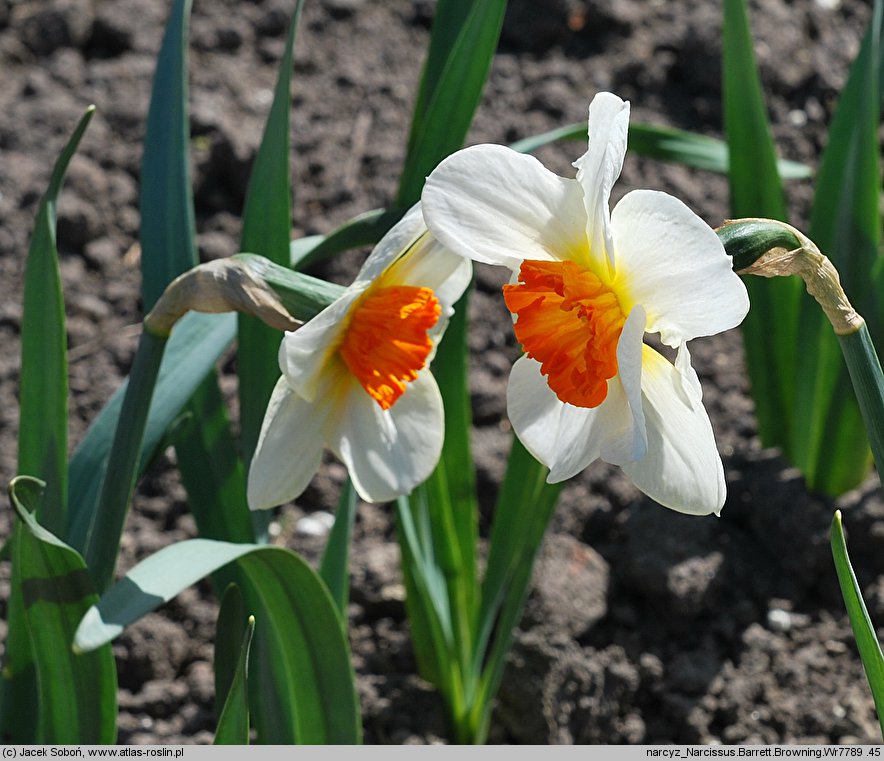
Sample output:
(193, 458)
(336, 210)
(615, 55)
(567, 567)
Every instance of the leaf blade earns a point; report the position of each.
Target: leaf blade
(846, 225)
(756, 191)
(301, 664)
(77, 695)
(168, 228)
(233, 725)
(266, 231)
(43, 435)
(452, 100)
(863, 630)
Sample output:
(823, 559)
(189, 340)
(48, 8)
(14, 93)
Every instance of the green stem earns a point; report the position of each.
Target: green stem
(868, 384)
(106, 527)
(863, 630)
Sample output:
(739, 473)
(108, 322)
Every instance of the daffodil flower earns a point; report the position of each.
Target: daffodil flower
(587, 285)
(356, 378)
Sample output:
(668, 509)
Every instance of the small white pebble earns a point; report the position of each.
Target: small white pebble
(829, 5)
(797, 117)
(274, 529)
(315, 524)
(263, 97)
(839, 711)
(779, 620)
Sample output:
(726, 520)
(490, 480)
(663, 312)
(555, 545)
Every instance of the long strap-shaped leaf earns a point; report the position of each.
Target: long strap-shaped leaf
(335, 567)
(664, 144)
(43, 433)
(77, 694)
(525, 506)
(167, 219)
(756, 190)
(233, 725)
(168, 249)
(299, 646)
(196, 344)
(846, 225)
(863, 630)
(267, 230)
(451, 91)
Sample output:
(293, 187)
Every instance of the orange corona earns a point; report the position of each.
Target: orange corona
(386, 344)
(570, 322)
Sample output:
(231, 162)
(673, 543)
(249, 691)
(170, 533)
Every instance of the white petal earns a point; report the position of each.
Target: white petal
(670, 261)
(289, 448)
(305, 354)
(389, 452)
(623, 419)
(599, 168)
(497, 206)
(561, 436)
(429, 264)
(394, 244)
(682, 469)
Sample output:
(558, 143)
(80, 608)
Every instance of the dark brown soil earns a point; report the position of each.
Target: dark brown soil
(643, 625)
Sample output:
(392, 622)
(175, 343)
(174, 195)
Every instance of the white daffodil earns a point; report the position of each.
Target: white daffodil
(356, 378)
(588, 284)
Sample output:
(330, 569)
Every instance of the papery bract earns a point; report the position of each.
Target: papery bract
(356, 378)
(588, 284)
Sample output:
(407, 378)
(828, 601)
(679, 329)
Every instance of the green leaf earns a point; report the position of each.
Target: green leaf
(43, 434)
(215, 485)
(438, 533)
(195, 345)
(267, 229)
(229, 633)
(451, 370)
(302, 684)
(18, 678)
(166, 201)
(863, 630)
(450, 91)
(846, 225)
(335, 567)
(770, 329)
(525, 506)
(77, 694)
(168, 249)
(664, 144)
(102, 541)
(426, 600)
(233, 726)
(365, 229)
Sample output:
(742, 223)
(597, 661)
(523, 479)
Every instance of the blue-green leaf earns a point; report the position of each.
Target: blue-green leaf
(233, 726)
(267, 230)
(655, 141)
(335, 567)
(166, 200)
(451, 91)
(846, 225)
(195, 345)
(77, 694)
(770, 329)
(43, 433)
(302, 683)
(863, 630)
